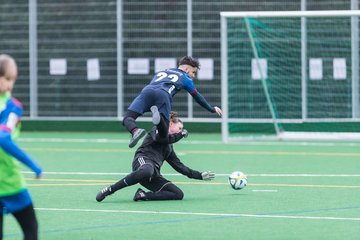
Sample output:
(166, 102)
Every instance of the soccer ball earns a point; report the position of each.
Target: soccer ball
(237, 180)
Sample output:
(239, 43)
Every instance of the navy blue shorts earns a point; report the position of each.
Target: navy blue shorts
(15, 203)
(150, 97)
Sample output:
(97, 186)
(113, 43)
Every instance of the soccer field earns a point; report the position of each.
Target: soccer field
(297, 190)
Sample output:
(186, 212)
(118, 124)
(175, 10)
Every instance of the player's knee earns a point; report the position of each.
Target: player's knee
(179, 195)
(146, 171)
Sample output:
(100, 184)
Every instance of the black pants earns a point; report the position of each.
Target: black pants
(162, 189)
(27, 221)
(145, 173)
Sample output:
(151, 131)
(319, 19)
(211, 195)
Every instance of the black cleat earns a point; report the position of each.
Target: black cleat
(139, 195)
(137, 135)
(106, 191)
(155, 115)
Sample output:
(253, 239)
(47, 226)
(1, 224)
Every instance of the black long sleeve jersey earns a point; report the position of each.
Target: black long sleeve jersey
(159, 150)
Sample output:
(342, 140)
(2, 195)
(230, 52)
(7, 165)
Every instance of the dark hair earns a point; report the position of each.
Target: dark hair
(174, 117)
(187, 60)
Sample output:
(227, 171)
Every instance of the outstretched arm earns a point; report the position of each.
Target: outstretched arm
(171, 138)
(202, 101)
(175, 162)
(190, 87)
(7, 144)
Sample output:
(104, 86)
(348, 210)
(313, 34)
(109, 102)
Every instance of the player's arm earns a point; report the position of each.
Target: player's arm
(170, 138)
(175, 163)
(8, 145)
(173, 138)
(190, 87)
(202, 101)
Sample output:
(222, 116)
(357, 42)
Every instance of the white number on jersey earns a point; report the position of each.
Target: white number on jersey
(162, 75)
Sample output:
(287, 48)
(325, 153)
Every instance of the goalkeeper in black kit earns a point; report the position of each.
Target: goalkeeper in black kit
(149, 157)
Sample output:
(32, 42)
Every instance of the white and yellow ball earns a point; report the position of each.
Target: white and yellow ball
(238, 180)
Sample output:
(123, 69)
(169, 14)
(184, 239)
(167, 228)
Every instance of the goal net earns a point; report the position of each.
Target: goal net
(290, 75)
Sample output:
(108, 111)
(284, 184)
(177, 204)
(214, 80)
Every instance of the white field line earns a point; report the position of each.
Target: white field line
(203, 152)
(75, 182)
(199, 214)
(207, 152)
(217, 174)
(207, 142)
(264, 190)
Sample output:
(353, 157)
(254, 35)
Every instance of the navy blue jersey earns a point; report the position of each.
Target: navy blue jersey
(172, 80)
(169, 81)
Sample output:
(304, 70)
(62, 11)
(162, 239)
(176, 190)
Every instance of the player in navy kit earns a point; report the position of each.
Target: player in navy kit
(160, 91)
(149, 157)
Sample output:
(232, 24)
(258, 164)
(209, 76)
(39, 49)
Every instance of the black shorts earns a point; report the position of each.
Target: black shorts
(157, 181)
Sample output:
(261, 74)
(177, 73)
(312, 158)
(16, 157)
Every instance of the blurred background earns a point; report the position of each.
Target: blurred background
(87, 60)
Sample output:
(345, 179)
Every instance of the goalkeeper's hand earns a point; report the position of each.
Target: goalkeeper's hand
(184, 133)
(207, 176)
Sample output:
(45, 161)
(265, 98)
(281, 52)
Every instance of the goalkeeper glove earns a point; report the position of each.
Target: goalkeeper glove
(184, 133)
(207, 176)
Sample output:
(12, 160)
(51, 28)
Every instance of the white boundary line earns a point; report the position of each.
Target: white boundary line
(199, 214)
(264, 190)
(116, 141)
(217, 174)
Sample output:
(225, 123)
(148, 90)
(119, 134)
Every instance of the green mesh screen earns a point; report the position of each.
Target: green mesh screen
(278, 41)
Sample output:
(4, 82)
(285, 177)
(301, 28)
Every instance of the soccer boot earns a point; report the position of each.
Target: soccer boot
(139, 195)
(155, 115)
(136, 136)
(106, 191)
